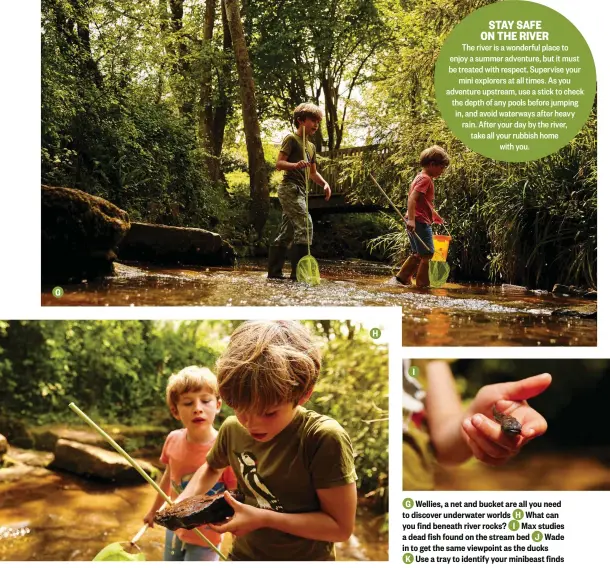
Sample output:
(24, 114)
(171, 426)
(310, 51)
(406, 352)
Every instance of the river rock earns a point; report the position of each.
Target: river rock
(24, 464)
(197, 510)
(583, 312)
(90, 461)
(46, 437)
(31, 458)
(175, 245)
(563, 290)
(21, 472)
(3, 445)
(79, 235)
(513, 288)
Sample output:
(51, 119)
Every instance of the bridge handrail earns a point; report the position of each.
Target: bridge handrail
(331, 172)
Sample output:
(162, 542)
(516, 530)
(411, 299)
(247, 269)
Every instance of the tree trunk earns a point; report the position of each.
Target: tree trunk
(163, 19)
(213, 119)
(224, 86)
(76, 32)
(182, 66)
(259, 183)
(331, 101)
(206, 104)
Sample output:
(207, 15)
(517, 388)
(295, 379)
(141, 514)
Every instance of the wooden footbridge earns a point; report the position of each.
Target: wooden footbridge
(333, 165)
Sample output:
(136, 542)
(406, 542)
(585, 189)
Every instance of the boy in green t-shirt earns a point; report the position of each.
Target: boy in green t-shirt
(294, 466)
(296, 223)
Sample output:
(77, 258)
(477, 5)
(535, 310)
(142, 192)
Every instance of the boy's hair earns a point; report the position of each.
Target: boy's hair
(190, 379)
(267, 364)
(306, 110)
(435, 155)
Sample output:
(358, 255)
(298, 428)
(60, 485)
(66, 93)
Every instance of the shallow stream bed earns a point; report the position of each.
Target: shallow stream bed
(457, 314)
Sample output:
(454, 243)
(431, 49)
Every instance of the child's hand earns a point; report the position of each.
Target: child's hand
(301, 165)
(246, 518)
(149, 518)
(411, 225)
(327, 192)
(484, 435)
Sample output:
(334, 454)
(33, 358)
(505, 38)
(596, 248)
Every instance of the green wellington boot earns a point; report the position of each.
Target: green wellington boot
(277, 255)
(297, 252)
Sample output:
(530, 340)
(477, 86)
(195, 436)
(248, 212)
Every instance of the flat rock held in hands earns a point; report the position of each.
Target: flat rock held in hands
(197, 511)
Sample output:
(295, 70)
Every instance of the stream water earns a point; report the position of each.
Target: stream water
(457, 314)
(63, 517)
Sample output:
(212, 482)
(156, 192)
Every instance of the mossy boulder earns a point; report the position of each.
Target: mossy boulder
(79, 235)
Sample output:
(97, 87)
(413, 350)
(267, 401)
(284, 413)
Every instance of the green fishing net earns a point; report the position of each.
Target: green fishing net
(438, 272)
(308, 271)
(116, 553)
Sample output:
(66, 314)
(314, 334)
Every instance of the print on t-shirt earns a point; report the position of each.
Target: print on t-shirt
(264, 498)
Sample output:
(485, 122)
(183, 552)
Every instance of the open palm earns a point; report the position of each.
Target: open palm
(484, 435)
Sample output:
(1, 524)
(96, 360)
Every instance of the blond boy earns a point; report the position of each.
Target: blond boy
(421, 215)
(294, 466)
(193, 399)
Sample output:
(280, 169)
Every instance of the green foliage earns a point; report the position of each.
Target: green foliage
(111, 124)
(530, 224)
(353, 389)
(303, 50)
(113, 368)
(345, 236)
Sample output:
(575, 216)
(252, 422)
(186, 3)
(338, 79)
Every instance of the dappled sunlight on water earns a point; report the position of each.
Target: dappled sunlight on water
(454, 315)
(69, 519)
(62, 517)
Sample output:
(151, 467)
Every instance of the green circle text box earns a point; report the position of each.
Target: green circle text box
(560, 32)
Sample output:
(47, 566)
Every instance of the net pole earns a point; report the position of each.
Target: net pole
(399, 213)
(137, 467)
(306, 189)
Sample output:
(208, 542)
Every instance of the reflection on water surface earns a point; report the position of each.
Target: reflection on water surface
(62, 517)
(454, 315)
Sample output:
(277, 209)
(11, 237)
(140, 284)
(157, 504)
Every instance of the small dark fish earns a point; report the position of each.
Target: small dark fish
(197, 511)
(510, 425)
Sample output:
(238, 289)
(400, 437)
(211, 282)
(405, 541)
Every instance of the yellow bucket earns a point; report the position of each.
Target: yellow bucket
(441, 247)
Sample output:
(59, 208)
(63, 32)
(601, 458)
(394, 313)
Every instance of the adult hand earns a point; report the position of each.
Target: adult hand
(411, 225)
(327, 192)
(246, 518)
(484, 435)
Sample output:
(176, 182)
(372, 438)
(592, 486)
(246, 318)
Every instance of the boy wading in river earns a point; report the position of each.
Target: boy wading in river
(295, 217)
(294, 466)
(421, 215)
